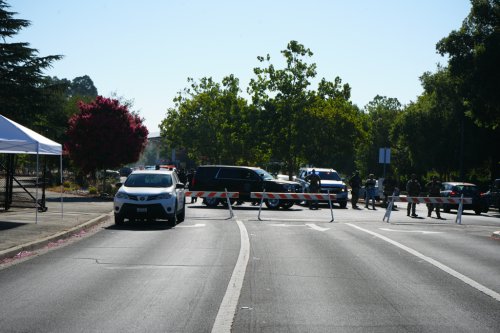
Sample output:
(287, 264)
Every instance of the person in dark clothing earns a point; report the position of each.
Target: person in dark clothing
(189, 178)
(355, 183)
(413, 189)
(433, 190)
(314, 187)
(389, 188)
(370, 184)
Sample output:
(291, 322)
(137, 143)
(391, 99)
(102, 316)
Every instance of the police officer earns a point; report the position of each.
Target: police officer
(355, 183)
(314, 187)
(370, 184)
(413, 189)
(389, 187)
(434, 190)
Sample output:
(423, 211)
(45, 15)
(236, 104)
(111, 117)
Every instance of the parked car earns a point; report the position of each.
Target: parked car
(330, 182)
(242, 179)
(456, 189)
(125, 171)
(150, 194)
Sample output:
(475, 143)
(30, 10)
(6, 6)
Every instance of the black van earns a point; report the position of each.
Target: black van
(242, 179)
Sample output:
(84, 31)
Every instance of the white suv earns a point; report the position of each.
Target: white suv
(151, 194)
(330, 182)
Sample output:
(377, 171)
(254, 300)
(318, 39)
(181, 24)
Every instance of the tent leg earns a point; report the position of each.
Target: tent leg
(61, 173)
(36, 182)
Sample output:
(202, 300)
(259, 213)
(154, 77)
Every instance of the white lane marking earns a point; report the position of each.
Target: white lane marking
(436, 263)
(413, 231)
(316, 227)
(285, 225)
(197, 225)
(227, 309)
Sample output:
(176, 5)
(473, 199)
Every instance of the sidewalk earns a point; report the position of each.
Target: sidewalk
(20, 232)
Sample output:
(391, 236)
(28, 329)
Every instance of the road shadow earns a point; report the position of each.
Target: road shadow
(141, 225)
(80, 199)
(5, 225)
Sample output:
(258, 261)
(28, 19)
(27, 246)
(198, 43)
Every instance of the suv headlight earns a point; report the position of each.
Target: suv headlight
(164, 196)
(121, 195)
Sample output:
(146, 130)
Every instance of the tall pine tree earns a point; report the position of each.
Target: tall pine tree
(25, 93)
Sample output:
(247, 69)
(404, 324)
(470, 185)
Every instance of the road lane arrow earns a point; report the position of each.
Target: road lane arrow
(413, 231)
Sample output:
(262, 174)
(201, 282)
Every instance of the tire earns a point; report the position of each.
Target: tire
(211, 202)
(172, 221)
(446, 209)
(119, 220)
(182, 214)
(343, 204)
(273, 203)
(287, 204)
(477, 211)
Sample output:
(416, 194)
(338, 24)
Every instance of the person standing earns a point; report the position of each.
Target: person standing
(370, 184)
(413, 189)
(189, 178)
(434, 190)
(355, 183)
(314, 187)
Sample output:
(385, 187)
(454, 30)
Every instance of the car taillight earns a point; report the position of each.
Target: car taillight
(453, 193)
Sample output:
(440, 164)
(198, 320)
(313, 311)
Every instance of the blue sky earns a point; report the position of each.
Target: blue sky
(146, 50)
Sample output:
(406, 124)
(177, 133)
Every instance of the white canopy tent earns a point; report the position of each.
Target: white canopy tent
(17, 139)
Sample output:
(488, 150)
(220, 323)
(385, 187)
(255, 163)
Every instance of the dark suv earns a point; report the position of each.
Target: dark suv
(242, 179)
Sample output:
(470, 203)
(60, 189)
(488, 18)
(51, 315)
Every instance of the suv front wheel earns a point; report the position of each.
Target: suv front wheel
(211, 202)
(273, 203)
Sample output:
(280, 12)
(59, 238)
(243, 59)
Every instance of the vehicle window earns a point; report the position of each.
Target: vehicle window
(248, 175)
(264, 174)
(328, 175)
(148, 180)
(230, 173)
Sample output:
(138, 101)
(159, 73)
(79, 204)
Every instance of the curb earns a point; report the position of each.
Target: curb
(495, 235)
(40, 243)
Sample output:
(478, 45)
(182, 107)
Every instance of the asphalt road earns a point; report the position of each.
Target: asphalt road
(291, 271)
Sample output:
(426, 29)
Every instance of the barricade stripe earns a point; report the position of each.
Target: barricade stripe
(433, 200)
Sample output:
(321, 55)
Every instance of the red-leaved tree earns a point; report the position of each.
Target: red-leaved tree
(104, 135)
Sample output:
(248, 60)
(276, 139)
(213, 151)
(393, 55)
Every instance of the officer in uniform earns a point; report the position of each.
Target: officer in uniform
(413, 189)
(370, 190)
(434, 190)
(355, 183)
(314, 187)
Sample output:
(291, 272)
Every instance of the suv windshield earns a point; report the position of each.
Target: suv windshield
(328, 175)
(264, 174)
(148, 180)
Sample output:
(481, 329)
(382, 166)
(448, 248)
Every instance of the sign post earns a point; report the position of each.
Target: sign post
(384, 157)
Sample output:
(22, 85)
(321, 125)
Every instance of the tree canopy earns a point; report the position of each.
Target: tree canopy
(474, 60)
(23, 87)
(104, 134)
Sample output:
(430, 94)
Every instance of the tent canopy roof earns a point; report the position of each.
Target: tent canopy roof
(17, 139)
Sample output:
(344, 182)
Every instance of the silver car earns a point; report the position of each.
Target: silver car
(150, 195)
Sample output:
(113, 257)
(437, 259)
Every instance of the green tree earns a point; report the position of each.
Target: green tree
(382, 113)
(23, 87)
(82, 86)
(211, 120)
(284, 94)
(474, 60)
(338, 129)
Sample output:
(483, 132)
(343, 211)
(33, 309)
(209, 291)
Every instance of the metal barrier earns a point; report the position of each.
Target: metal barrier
(293, 196)
(210, 194)
(428, 200)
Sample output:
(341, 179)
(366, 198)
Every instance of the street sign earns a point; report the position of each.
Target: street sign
(384, 155)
